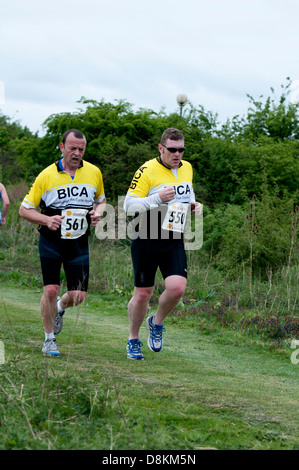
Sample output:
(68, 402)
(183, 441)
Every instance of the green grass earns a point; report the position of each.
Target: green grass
(224, 379)
(213, 386)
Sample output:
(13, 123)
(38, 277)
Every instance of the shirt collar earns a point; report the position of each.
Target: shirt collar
(60, 167)
(159, 160)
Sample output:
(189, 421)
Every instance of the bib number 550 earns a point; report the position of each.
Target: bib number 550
(175, 218)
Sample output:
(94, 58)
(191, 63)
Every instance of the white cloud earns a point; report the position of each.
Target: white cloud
(144, 52)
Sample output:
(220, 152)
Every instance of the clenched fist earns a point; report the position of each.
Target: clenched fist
(54, 222)
(167, 194)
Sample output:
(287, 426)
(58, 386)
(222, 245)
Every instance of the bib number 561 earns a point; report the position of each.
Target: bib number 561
(74, 224)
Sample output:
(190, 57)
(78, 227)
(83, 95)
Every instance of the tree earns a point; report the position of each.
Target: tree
(10, 133)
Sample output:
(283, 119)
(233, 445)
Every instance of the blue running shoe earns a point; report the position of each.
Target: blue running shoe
(155, 337)
(134, 349)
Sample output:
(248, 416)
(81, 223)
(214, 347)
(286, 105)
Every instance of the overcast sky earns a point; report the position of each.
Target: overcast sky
(144, 52)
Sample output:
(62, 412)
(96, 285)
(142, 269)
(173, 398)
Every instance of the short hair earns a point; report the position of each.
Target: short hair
(172, 134)
(77, 134)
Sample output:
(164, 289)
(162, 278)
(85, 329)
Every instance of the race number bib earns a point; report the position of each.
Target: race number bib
(176, 217)
(74, 224)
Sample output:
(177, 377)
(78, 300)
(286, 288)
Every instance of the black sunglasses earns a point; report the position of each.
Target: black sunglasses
(173, 149)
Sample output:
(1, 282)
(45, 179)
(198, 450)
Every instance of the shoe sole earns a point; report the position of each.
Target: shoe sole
(57, 316)
(149, 339)
(51, 354)
(135, 358)
(58, 330)
(151, 348)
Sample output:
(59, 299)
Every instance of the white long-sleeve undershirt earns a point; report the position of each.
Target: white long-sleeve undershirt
(141, 204)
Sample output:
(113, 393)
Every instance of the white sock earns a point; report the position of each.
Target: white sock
(59, 309)
(49, 335)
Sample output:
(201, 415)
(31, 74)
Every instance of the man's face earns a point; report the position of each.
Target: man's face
(170, 158)
(73, 151)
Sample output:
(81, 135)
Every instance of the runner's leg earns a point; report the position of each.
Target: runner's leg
(137, 309)
(76, 267)
(48, 306)
(72, 298)
(174, 290)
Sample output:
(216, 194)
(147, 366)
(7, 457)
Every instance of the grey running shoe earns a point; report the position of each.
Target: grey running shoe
(155, 337)
(58, 320)
(134, 349)
(50, 348)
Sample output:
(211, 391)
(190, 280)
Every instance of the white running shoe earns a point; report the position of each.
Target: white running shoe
(50, 348)
(58, 320)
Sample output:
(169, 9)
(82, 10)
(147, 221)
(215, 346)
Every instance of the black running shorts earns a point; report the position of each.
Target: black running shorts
(149, 255)
(72, 254)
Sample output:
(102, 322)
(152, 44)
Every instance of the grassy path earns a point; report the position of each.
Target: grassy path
(201, 391)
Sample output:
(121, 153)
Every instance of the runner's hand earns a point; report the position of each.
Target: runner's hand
(54, 222)
(167, 194)
(196, 208)
(95, 217)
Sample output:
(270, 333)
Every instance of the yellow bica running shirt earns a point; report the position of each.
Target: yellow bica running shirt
(143, 195)
(56, 192)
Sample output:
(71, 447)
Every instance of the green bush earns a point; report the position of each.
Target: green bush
(259, 235)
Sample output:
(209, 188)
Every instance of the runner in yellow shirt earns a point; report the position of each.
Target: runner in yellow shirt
(161, 193)
(71, 198)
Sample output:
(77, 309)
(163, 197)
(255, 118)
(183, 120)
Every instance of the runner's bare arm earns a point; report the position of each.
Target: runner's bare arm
(35, 217)
(97, 212)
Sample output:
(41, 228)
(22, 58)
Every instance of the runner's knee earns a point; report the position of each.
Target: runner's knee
(51, 292)
(77, 296)
(176, 289)
(143, 294)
